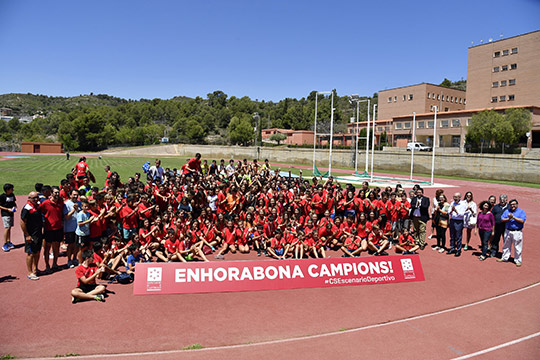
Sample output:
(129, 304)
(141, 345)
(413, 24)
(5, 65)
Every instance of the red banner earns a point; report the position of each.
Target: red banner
(222, 276)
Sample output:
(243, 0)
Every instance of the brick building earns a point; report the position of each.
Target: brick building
(504, 73)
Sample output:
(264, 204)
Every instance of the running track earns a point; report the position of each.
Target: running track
(421, 320)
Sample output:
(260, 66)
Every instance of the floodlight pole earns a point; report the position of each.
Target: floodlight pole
(413, 141)
(433, 148)
(331, 137)
(367, 137)
(358, 101)
(373, 140)
(315, 132)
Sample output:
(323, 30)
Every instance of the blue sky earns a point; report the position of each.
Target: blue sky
(262, 49)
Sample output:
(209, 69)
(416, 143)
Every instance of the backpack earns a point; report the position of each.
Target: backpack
(122, 278)
(146, 167)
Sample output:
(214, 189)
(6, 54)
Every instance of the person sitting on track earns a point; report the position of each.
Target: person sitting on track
(86, 274)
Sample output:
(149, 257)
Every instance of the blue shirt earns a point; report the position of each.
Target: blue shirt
(512, 224)
(85, 229)
(132, 260)
(70, 224)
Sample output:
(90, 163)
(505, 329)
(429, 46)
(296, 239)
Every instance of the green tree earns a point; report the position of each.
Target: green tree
(240, 129)
(278, 137)
(521, 121)
(195, 132)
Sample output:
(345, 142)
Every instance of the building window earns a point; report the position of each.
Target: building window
(390, 99)
(513, 67)
(503, 83)
(404, 97)
(495, 84)
(504, 68)
(446, 109)
(496, 54)
(410, 97)
(407, 125)
(514, 51)
(438, 97)
(444, 123)
(398, 125)
(464, 101)
(456, 123)
(430, 107)
(506, 52)
(447, 98)
(512, 82)
(429, 95)
(511, 97)
(496, 69)
(380, 128)
(451, 99)
(502, 98)
(395, 98)
(468, 122)
(421, 124)
(430, 124)
(494, 99)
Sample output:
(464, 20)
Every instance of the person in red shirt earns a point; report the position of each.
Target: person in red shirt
(86, 274)
(318, 202)
(229, 240)
(80, 171)
(327, 235)
(406, 243)
(53, 214)
(259, 240)
(129, 217)
(377, 242)
(193, 166)
(392, 209)
(278, 248)
(188, 249)
(404, 209)
(354, 244)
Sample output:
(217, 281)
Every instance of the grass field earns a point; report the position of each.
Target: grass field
(25, 172)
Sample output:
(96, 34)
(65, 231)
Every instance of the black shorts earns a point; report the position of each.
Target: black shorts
(54, 235)
(34, 246)
(83, 241)
(86, 288)
(69, 238)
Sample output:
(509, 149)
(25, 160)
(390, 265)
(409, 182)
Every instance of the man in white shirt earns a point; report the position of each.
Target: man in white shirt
(156, 172)
(457, 212)
(230, 168)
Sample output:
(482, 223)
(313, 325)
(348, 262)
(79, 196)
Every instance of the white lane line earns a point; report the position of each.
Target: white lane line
(308, 337)
(498, 347)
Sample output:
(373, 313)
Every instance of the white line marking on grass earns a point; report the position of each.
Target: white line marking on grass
(481, 352)
(309, 337)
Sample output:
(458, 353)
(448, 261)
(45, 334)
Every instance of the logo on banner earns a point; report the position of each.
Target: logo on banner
(153, 280)
(408, 269)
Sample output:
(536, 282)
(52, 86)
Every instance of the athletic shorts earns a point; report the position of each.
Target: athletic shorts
(279, 252)
(54, 235)
(83, 241)
(34, 246)
(69, 238)
(8, 221)
(86, 288)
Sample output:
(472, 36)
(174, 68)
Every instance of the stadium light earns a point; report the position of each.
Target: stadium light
(433, 145)
(317, 93)
(356, 98)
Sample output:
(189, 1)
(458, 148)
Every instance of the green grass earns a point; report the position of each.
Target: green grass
(193, 347)
(24, 173)
(7, 356)
(49, 170)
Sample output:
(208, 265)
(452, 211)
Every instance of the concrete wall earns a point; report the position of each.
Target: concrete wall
(525, 168)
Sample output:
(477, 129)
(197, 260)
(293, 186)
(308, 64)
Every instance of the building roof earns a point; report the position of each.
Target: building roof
(423, 83)
(494, 41)
(459, 112)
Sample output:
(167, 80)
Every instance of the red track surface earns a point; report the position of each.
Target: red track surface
(38, 318)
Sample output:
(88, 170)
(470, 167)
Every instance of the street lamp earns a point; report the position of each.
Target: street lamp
(356, 98)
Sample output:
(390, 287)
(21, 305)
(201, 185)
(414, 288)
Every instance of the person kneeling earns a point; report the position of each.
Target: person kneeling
(86, 273)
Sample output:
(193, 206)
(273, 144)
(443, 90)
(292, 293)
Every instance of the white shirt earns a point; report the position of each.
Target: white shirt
(156, 173)
(457, 209)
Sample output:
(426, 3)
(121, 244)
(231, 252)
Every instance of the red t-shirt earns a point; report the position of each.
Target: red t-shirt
(53, 213)
(403, 241)
(128, 222)
(86, 272)
(393, 210)
(351, 243)
(195, 164)
(172, 246)
(230, 235)
(146, 215)
(81, 168)
(375, 238)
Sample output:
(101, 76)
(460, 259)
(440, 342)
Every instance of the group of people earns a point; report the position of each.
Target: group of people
(215, 209)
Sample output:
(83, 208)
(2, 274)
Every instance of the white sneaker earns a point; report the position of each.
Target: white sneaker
(70, 264)
(436, 248)
(51, 256)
